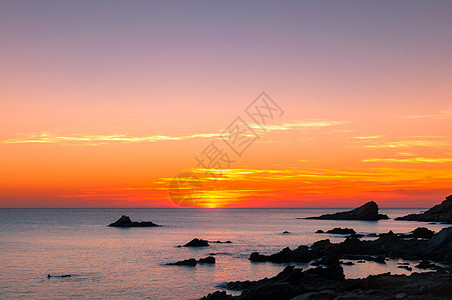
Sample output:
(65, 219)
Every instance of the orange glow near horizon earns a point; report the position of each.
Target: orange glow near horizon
(103, 109)
(325, 166)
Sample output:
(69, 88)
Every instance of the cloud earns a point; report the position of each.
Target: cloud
(301, 125)
(370, 137)
(441, 115)
(409, 160)
(99, 139)
(405, 144)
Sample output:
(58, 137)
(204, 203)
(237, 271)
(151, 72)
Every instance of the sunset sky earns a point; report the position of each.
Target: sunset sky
(103, 103)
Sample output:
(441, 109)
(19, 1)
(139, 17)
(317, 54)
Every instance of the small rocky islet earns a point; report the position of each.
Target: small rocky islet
(125, 221)
(193, 261)
(366, 212)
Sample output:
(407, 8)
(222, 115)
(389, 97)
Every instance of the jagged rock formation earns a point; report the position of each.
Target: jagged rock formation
(366, 212)
(438, 213)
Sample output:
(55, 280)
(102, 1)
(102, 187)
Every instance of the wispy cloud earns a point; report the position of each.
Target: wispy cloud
(404, 154)
(100, 139)
(301, 125)
(410, 160)
(441, 115)
(97, 139)
(370, 137)
(406, 144)
(325, 180)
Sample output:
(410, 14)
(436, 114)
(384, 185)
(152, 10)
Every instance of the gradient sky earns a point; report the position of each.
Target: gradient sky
(103, 102)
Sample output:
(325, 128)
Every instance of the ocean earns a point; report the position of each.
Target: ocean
(117, 263)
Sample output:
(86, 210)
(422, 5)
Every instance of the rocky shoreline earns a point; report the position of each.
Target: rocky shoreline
(439, 213)
(330, 283)
(325, 278)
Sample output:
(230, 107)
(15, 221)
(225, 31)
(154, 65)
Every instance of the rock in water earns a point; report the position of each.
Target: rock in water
(187, 262)
(339, 230)
(366, 212)
(197, 243)
(125, 221)
(207, 260)
(438, 213)
(193, 262)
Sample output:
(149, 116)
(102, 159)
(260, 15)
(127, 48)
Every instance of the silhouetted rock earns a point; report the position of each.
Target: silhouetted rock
(218, 295)
(60, 276)
(329, 283)
(438, 248)
(320, 231)
(390, 233)
(197, 243)
(125, 221)
(194, 262)
(207, 260)
(290, 283)
(187, 262)
(339, 230)
(220, 242)
(426, 264)
(329, 261)
(286, 232)
(408, 268)
(438, 213)
(366, 212)
(301, 254)
(422, 232)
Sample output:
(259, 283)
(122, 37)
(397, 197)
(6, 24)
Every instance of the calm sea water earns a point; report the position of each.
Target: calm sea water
(114, 263)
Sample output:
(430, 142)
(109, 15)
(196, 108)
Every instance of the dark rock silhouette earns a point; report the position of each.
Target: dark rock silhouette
(320, 231)
(197, 243)
(329, 261)
(193, 262)
(438, 248)
(60, 276)
(426, 264)
(220, 242)
(125, 221)
(422, 232)
(186, 262)
(339, 230)
(438, 213)
(330, 283)
(366, 212)
(207, 260)
(408, 268)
